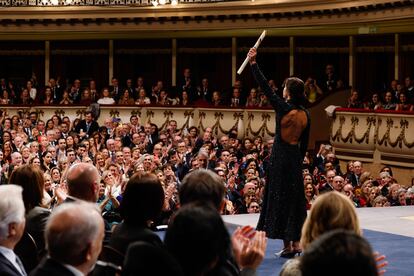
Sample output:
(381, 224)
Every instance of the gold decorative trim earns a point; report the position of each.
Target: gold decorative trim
(60, 112)
(400, 140)
(136, 112)
(114, 113)
(263, 129)
(351, 136)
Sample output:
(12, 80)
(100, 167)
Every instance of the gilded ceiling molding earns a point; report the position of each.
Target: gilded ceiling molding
(232, 18)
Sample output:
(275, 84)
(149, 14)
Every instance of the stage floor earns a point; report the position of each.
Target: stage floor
(392, 220)
(390, 231)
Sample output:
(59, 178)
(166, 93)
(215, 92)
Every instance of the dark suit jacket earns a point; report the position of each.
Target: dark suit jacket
(35, 225)
(7, 268)
(50, 267)
(82, 125)
(125, 234)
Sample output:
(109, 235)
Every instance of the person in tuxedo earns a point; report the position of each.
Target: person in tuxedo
(74, 236)
(87, 126)
(12, 223)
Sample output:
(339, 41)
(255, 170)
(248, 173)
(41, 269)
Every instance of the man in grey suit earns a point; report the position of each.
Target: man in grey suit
(12, 223)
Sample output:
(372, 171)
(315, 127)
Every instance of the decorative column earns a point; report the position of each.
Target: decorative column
(47, 62)
(174, 62)
(291, 56)
(351, 61)
(111, 61)
(233, 60)
(397, 56)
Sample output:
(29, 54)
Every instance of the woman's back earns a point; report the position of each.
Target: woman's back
(292, 126)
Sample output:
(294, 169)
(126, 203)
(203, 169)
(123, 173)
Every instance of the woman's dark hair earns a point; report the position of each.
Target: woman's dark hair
(156, 132)
(193, 127)
(340, 253)
(197, 238)
(32, 181)
(296, 88)
(47, 123)
(142, 200)
(387, 168)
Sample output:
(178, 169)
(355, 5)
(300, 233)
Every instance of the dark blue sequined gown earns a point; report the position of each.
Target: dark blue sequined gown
(284, 205)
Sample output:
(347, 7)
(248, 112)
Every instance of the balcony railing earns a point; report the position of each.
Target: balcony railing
(144, 3)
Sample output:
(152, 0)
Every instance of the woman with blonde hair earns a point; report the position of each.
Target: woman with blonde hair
(330, 211)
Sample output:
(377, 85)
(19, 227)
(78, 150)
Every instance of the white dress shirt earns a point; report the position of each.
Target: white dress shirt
(11, 257)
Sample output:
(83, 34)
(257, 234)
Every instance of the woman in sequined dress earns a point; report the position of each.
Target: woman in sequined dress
(284, 204)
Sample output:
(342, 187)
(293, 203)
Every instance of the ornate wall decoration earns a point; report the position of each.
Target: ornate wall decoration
(114, 113)
(60, 112)
(150, 114)
(39, 112)
(351, 136)
(201, 116)
(401, 138)
(80, 113)
(136, 112)
(189, 116)
(167, 115)
(263, 129)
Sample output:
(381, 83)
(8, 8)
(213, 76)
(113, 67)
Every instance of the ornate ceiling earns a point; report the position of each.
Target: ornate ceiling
(235, 18)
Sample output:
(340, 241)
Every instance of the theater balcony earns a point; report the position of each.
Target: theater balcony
(382, 137)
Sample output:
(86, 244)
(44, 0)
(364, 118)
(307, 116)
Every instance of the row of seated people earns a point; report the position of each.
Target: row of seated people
(363, 187)
(398, 98)
(187, 92)
(158, 95)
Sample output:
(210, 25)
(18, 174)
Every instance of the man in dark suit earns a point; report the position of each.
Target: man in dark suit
(204, 92)
(56, 90)
(12, 223)
(236, 99)
(115, 89)
(86, 127)
(74, 235)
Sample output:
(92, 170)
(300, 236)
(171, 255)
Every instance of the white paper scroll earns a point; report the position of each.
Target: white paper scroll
(262, 36)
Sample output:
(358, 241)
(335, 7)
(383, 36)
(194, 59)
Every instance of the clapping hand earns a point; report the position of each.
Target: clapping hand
(249, 246)
(381, 263)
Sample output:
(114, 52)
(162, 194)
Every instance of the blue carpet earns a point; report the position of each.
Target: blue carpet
(399, 251)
